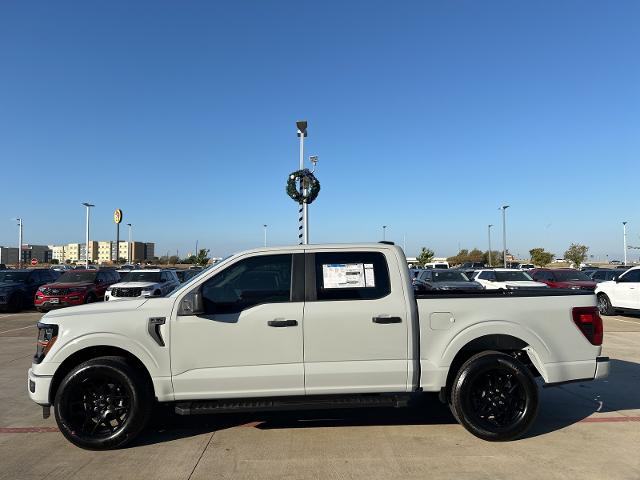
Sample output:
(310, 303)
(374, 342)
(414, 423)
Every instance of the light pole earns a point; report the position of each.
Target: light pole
(86, 245)
(265, 234)
(504, 234)
(129, 254)
(624, 241)
(19, 220)
(302, 210)
(384, 232)
(489, 229)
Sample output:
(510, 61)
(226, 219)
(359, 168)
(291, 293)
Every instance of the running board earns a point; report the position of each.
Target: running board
(311, 402)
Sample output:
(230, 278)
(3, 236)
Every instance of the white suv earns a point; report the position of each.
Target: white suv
(622, 293)
(506, 278)
(143, 283)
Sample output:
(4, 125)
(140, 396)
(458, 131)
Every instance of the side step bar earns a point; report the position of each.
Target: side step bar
(312, 402)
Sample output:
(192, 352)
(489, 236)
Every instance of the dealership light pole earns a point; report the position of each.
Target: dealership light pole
(303, 210)
(489, 229)
(129, 255)
(504, 234)
(86, 245)
(19, 220)
(265, 234)
(384, 232)
(624, 241)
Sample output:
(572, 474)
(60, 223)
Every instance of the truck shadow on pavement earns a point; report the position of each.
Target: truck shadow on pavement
(560, 407)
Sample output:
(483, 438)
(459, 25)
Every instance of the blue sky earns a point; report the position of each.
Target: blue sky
(426, 117)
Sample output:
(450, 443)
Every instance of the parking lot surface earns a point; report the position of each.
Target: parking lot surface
(584, 431)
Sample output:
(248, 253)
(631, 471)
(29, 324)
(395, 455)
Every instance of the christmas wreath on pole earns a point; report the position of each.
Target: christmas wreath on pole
(309, 182)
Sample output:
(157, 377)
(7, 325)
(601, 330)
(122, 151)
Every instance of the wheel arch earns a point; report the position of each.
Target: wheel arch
(88, 353)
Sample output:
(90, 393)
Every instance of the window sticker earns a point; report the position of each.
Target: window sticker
(348, 275)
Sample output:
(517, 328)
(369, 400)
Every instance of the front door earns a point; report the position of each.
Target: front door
(627, 290)
(248, 342)
(355, 327)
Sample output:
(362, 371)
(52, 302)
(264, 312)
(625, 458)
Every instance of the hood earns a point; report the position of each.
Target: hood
(525, 284)
(586, 284)
(133, 284)
(68, 285)
(458, 285)
(11, 284)
(93, 308)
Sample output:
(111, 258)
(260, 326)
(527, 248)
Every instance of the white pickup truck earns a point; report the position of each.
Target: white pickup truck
(315, 326)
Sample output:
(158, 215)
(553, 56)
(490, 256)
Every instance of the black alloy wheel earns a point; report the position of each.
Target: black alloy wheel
(103, 403)
(495, 397)
(90, 298)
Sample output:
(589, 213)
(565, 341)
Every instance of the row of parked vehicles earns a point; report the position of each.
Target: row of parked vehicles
(47, 289)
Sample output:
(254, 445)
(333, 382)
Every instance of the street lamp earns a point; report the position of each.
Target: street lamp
(504, 234)
(19, 220)
(384, 232)
(265, 234)
(489, 229)
(301, 125)
(129, 253)
(624, 240)
(86, 245)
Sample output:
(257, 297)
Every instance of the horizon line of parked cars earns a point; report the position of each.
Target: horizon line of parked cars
(50, 288)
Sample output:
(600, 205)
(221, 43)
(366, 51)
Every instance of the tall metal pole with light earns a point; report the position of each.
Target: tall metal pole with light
(504, 234)
(265, 234)
(489, 229)
(303, 209)
(384, 232)
(624, 241)
(129, 247)
(19, 220)
(86, 245)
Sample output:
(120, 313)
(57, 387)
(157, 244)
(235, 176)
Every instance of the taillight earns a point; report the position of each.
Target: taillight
(588, 320)
(47, 335)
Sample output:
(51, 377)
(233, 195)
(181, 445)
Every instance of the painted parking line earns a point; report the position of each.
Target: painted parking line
(16, 329)
(609, 419)
(625, 321)
(28, 429)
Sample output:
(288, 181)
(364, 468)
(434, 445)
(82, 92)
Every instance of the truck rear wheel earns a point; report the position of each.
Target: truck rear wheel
(103, 403)
(494, 396)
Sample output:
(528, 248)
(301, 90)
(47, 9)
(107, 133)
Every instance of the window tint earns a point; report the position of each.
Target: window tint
(351, 276)
(491, 276)
(543, 276)
(250, 282)
(632, 276)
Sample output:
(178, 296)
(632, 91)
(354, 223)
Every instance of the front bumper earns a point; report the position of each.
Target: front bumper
(38, 387)
(602, 367)
(44, 303)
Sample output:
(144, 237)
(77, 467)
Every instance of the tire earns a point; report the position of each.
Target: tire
(90, 298)
(157, 293)
(103, 403)
(604, 305)
(494, 396)
(15, 303)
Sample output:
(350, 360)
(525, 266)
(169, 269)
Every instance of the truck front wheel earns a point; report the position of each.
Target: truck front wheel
(494, 396)
(103, 403)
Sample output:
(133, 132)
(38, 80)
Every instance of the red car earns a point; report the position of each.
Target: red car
(75, 287)
(563, 278)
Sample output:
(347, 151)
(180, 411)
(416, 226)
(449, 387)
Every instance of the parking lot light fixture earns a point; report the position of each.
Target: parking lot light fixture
(384, 232)
(129, 254)
(265, 234)
(624, 241)
(504, 234)
(489, 229)
(19, 220)
(86, 245)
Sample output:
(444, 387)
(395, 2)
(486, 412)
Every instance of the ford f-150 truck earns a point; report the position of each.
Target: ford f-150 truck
(311, 326)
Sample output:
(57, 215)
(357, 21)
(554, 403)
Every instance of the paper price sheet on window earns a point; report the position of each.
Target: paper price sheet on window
(348, 275)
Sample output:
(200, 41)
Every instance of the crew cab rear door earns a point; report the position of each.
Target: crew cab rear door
(355, 324)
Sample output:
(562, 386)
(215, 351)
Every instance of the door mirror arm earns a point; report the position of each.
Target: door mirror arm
(191, 304)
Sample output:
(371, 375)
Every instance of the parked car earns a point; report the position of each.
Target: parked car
(186, 275)
(622, 293)
(471, 266)
(434, 279)
(61, 267)
(75, 288)
(604, 275)
(526, 266)
(563, 278)
(505, 278)
(311, 326)
(437, 265)
(3, 266)
(18, 287)
(143, 283)
(615, 262)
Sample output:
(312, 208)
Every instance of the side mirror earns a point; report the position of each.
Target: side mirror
(191, 304)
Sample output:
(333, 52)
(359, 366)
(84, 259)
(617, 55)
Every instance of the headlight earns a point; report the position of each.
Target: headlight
(47, 335)
(40, 289)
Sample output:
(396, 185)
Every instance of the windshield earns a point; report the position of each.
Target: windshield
(513, 277)
(76, 277)
(9, 276)
(570, 275)
(141, 277)
(449, 277)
